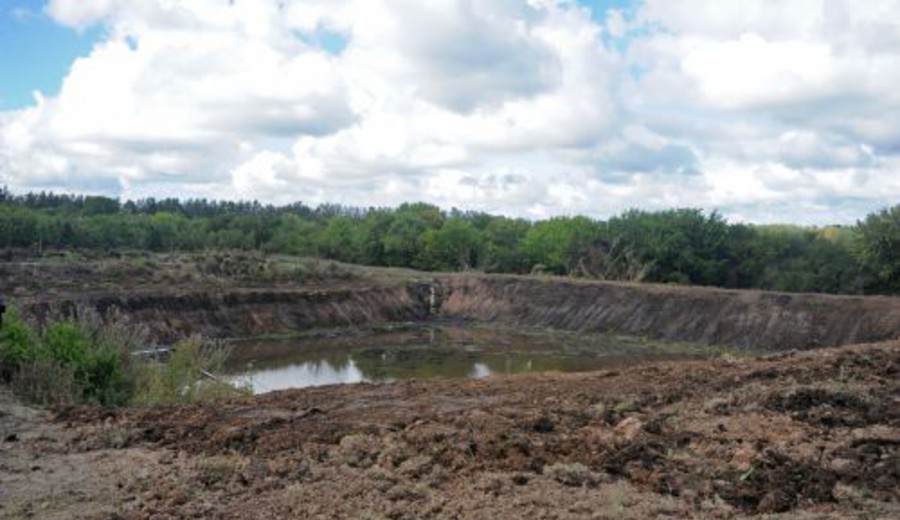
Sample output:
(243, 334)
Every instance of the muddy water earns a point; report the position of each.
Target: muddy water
(446, 351)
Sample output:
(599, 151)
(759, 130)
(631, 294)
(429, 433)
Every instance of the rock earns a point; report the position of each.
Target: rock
(842, 465)
(743, 457)
(774, 502)
(629, 428)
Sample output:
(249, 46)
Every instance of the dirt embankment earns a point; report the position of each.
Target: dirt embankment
(811, 435)
(745, 319)
(254, 312)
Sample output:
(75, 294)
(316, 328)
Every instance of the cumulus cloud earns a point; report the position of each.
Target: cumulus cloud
(763, 110)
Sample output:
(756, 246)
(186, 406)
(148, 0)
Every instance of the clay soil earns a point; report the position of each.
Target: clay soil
(795, 435)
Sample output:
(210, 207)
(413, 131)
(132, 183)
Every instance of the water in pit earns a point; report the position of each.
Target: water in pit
(446, 351)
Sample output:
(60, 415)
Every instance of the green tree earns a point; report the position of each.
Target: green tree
(559, 243)
(457, 245)
(502, 245)
(402, 242)
(679, 245)
(878, 249)
(338, 239)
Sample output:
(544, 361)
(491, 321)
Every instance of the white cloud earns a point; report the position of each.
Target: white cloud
(764, 110)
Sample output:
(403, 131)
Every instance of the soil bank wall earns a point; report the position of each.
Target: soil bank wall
(746, 319)
(246, 313)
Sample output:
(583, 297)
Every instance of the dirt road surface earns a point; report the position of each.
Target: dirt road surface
(795, 435)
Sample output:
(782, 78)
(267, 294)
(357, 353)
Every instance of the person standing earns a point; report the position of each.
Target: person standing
(2, 307)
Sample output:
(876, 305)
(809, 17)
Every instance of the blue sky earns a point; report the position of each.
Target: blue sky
(530, 109)
(37, 52)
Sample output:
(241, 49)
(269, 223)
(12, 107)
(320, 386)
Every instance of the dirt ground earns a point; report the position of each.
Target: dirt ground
(811, 435)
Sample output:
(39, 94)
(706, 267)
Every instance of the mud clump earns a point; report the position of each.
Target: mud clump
(777, 484)
(872, 464)
(815, 405)
(834, 408)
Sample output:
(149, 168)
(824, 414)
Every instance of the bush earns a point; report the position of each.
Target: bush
(18, 344)
(187, 376)
(46, 382)
(88, 358)
(83, 355)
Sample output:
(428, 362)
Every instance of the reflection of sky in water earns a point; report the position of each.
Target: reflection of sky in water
(444, 352)
(480, 370)
(311, 373)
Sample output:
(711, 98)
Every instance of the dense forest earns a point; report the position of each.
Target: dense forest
(686, 246)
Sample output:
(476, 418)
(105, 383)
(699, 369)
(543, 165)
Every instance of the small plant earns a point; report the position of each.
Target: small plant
(618, 498)
(187, 376)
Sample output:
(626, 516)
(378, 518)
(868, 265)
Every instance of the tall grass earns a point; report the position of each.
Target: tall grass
(187, 376)
(88, 358)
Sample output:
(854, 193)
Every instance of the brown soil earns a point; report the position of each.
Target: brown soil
(795, 435)
(756, 320)
(242, 295)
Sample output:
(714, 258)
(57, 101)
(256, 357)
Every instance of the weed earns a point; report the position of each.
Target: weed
(845, 377)
(627, 405)
(45, 382)
(618, 498)
(187, 376)
(217, 469)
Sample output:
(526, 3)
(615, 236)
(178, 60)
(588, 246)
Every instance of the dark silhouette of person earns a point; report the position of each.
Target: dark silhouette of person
(2, 307)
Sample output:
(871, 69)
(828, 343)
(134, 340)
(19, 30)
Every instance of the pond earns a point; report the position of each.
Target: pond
(437, 351)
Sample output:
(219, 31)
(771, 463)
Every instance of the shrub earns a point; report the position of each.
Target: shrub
(18, 344)
(187, 376)
(84, 355)
(88, 358)
(45, 382)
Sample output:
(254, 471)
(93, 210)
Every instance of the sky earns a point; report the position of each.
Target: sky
(763, 110)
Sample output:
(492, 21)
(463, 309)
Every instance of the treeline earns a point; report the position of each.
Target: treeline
(684, 246)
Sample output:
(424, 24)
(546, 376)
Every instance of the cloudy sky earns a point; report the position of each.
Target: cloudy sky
(765, 110)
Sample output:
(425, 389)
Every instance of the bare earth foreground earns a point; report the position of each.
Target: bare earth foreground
(796, 435)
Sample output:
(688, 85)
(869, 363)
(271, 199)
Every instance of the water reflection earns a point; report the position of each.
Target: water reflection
(422, 353)
(298, 375)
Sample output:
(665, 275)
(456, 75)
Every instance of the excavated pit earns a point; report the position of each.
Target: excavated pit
(810, 434)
